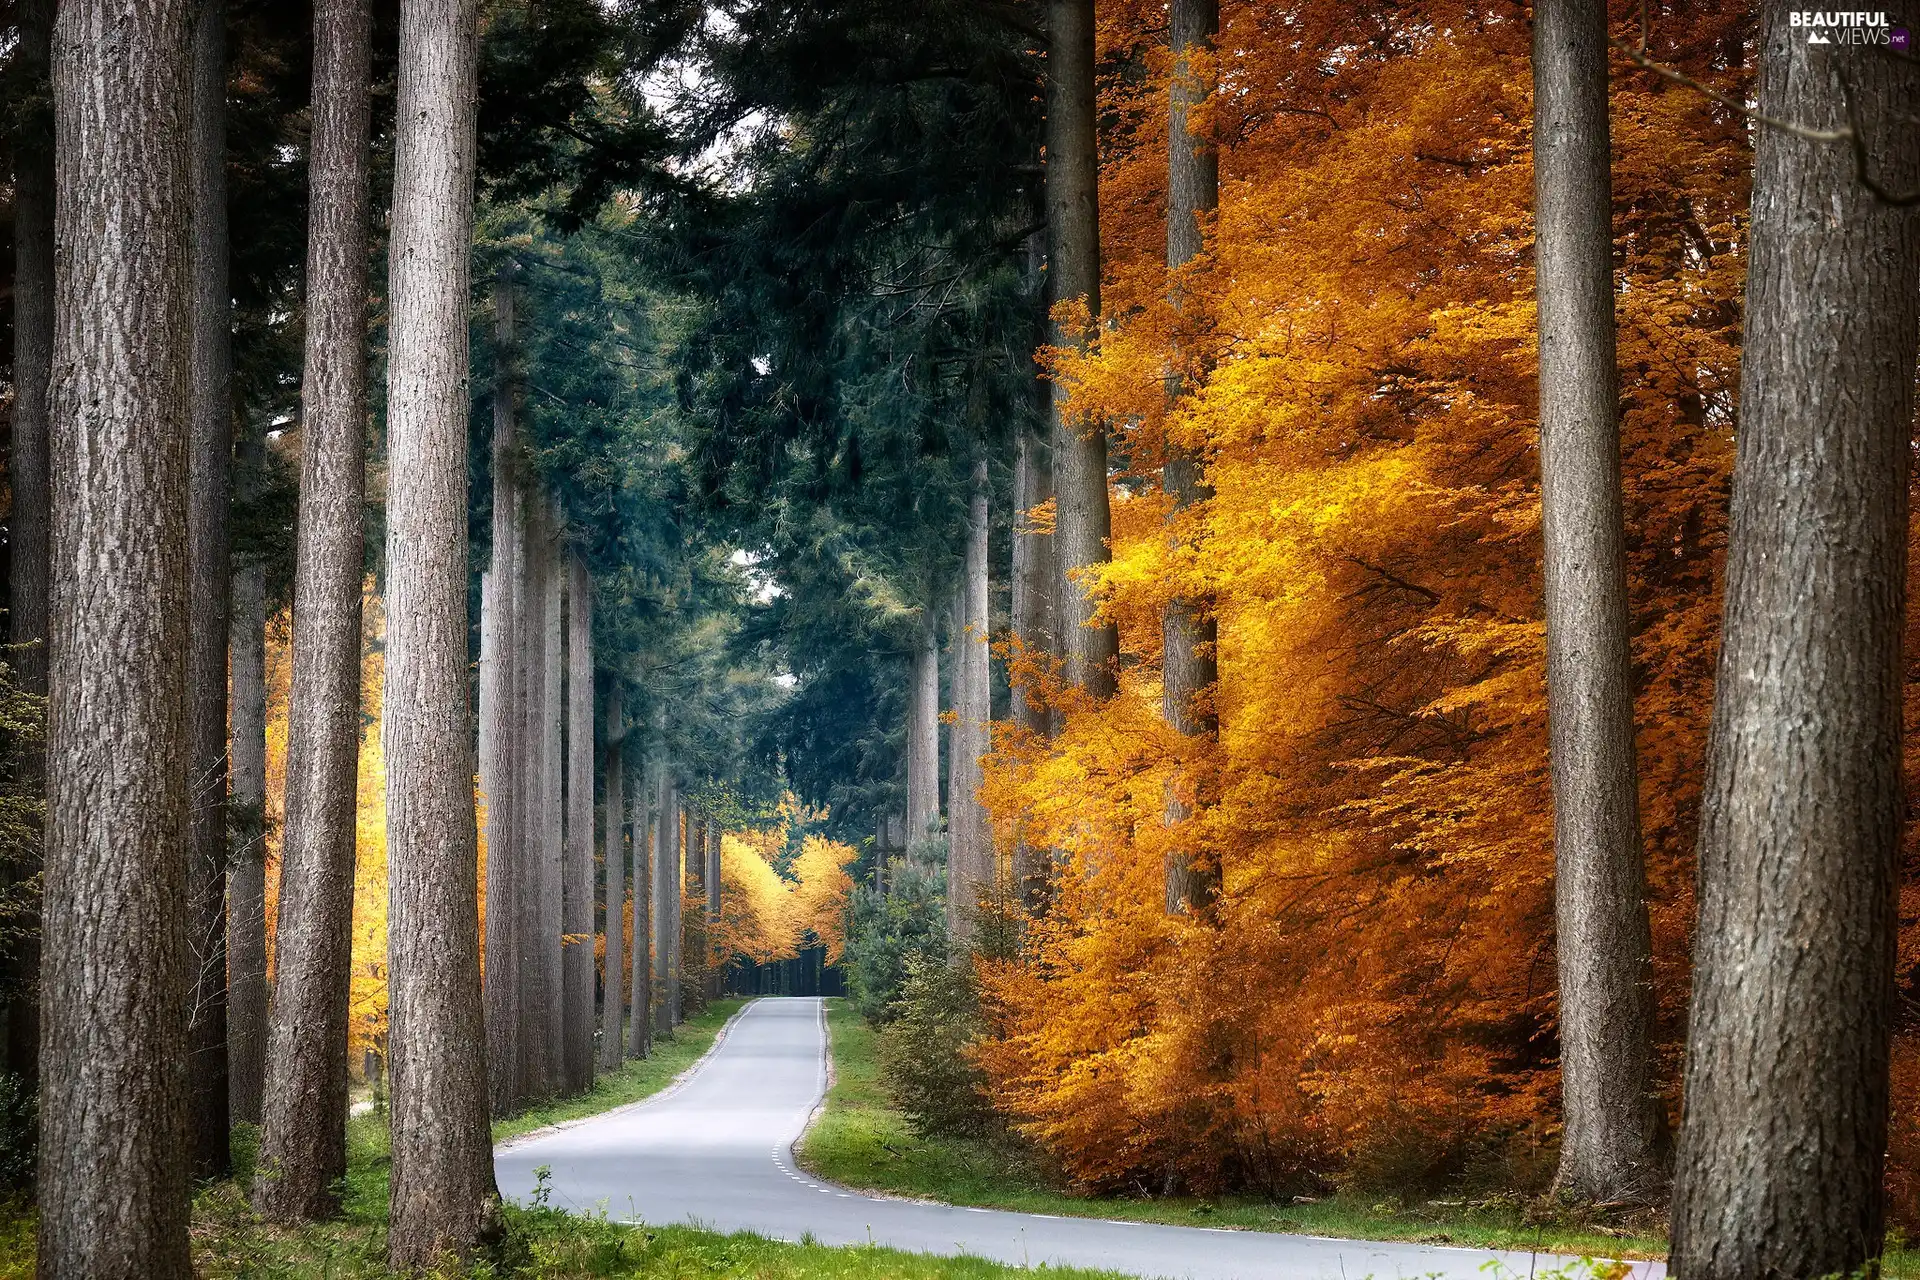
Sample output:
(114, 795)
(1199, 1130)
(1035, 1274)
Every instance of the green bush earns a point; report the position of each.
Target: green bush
(887, 932)
(925, 1063)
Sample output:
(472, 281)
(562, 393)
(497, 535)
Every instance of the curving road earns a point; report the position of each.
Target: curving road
(717, 1152)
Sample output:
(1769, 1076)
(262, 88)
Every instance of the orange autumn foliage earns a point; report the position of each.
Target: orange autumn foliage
(765, 916)
(1373, 1001)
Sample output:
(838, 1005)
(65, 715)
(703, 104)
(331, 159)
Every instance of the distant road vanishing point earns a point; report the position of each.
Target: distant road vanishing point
(717, 1152)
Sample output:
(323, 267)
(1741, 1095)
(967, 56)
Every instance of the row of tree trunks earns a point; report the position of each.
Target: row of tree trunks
(114, 1156)
(971, 860)
(303, 1136)
(577, 887)
(614, 902)
(442, 1191)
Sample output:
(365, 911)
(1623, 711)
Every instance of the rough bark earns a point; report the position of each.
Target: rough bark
(209, 579)
(676, 884)
(247, 870)
(1189, 635)
(1611, 1144)
(923, 739)
(546, 941)
(112, 1180)
(614, 899)
(27, 470)
(1084, 519)
(694, 878)
(537, 1016)
(640, 963)
(1781, 1154)
(303, 1140)
(443, 1196)
(576, 905)
(971, 864)
(502, 752)
(666, 861)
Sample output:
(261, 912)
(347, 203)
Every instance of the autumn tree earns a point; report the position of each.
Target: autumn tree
(113, 1175)
(1783, 1145)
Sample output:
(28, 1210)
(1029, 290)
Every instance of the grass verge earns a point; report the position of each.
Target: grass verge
(229, 1242)
(859, 1140)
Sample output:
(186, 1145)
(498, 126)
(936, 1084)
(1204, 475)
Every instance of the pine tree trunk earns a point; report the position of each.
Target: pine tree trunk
(971, 865)
(1189, 634)
(536, 1014)
(33, 337)
(442, 1196)
(112, 1180)
(614, 900)
(1084, 520)
(640, 962)
(247, 873)
(1785, 1135)
(303, 1141)
(676, 882)
(1610, 1147)
(209, 579)
(923, 740)
(695, 879)
(502, 740)
(712, 881)
(553, 842)
(577, 892)
(666, 858)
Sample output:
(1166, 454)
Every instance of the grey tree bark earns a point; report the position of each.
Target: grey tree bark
(1084, 519)
(614, 900)
(537, 1016)
(502, 756)
(33, 337)
(113, 1159)
(694, 878)
(717, 973)
(923, 738)
(209, 579)
(666, 873)
(1785, 1133)
(1612, 1139)
(971, 862)
(640, 963)
(442, 1191)
(247, 872)
(546, 940)
(303, 1139)
(577, 976)
(1188, 632)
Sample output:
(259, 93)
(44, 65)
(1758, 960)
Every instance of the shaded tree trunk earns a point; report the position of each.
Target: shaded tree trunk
(537, 1016)
(577, 890)
(971, 864)
(676, 883)
(112, 1180)
(502, 718)
(33, 338)
(1785, 1134)
(1611, 1145)
(247, 872)
(923, 739)
(666, 860)
(546, 940)
(1084, 520)
(303, 1141)
(640, 963)
(209, 578)
(694, 879)
(614, 900)
(442, 1192)
(712, 881)
(1189, 635)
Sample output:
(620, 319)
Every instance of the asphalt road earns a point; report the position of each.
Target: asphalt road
(717, 1152)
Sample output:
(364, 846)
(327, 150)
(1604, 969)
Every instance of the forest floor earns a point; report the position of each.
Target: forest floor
(230, 1242)
(859, 1140)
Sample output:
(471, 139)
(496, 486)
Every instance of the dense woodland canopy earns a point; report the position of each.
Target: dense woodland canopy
(1320, 585)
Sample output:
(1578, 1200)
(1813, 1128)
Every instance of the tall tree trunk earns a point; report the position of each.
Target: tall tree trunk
(537, 1016)
(209, 579)
(712, 881)
(547, 942)
(1084, 520)
(442, 1195)
(640, 963)
(1611, 1145)
(33, 337)
(247, 872)
(666, 859)
(676, 884)
(502, 743)
(112, 1180)
(695, 881)
(614, 806)
(303, 1141)
(577, 891)
(1189, 634)
(1785, 1133)
(971, 865)
(923, 739)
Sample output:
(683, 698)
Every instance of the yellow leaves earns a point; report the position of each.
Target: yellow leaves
(767, 917)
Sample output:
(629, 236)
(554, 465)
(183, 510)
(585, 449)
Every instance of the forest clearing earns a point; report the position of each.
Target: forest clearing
(1281, 627)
